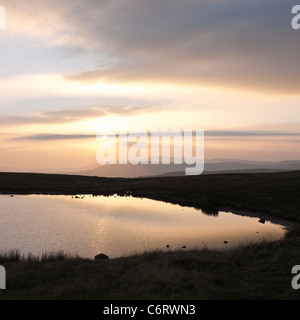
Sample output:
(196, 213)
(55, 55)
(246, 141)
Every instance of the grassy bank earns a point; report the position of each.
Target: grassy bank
(260, 271)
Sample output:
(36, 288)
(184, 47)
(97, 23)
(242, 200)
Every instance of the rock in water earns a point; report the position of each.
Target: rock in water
(101, 256)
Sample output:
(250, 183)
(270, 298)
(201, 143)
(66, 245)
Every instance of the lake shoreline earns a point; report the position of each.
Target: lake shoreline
(244, 213)
(273, 194)
(159, 225)
(255, 272)
(241, 212)
(267, 217)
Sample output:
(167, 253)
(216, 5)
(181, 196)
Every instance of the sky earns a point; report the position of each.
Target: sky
(229, 67)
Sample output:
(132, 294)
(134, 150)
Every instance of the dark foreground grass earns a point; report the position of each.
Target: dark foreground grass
(260, 271)
(15, 255)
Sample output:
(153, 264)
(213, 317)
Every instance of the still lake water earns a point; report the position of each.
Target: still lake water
(119, 226)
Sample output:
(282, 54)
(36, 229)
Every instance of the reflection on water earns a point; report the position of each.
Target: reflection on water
(120, 226)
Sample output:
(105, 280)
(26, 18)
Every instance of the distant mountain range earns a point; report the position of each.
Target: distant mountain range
(211, 167)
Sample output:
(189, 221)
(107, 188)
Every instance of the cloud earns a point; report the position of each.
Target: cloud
(53, 137)
(248, 44)
(72, 115)
(208, 134)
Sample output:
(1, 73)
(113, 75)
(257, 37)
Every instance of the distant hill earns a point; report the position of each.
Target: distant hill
(132, 171)
(211, 166)
(181, 173)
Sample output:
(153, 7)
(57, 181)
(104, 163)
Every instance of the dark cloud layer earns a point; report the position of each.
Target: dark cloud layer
(208, 133)
(229, 43)
(248, 44)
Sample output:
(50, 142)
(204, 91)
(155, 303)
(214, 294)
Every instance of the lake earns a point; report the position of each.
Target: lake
(120, 226)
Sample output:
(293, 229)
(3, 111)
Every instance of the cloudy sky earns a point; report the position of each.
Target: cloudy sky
(230, 67)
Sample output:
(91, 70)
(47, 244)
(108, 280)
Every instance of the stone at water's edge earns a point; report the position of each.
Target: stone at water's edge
(101, 256)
